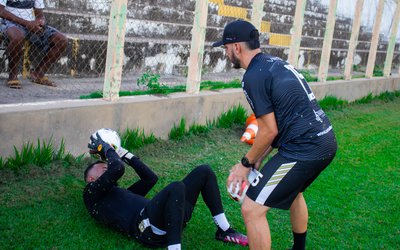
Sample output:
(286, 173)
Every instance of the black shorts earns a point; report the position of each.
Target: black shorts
(281, 179)
(41, 40)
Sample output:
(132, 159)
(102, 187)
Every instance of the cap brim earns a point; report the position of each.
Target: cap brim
(217, 44)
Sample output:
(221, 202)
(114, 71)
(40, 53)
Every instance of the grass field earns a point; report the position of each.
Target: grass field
(354, 204)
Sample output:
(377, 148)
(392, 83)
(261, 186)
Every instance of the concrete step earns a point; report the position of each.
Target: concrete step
(103, 7)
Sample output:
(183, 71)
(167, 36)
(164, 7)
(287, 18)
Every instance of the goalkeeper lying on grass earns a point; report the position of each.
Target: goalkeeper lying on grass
(157, 222)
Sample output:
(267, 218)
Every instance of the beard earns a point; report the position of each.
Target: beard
(235, 62)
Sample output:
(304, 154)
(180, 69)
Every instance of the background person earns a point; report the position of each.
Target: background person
(289, 119)
(23, 19)
(157, 222)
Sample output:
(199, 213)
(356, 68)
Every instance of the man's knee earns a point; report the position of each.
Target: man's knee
(60, 41)
(253, 211)
(15, 36)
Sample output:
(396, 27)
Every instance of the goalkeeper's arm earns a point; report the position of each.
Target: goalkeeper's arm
(147, 177)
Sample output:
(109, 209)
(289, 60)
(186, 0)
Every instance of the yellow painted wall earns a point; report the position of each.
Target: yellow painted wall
(238, 12)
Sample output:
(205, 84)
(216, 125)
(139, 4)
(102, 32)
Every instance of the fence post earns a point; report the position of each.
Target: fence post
(197, 47)
(115, 50)
(392, 41)
(257, 13)
(353, 39)
(296, 33)
(374, 41)
(326, 47)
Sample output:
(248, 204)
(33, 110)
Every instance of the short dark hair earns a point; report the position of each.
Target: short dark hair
(252, 45)
(90, 166)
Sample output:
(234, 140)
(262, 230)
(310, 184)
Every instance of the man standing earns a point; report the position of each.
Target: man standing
(24, 19)
(290, 120)
(157, 222)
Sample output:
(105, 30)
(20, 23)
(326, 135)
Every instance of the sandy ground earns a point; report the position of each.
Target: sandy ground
(73, 88)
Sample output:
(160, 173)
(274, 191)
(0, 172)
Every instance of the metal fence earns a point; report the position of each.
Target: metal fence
(173, 39)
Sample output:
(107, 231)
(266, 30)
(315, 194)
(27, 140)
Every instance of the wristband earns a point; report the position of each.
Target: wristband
(246, 163)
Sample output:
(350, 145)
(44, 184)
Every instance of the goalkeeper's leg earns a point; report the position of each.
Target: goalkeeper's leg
(165, 212)
(203, 180)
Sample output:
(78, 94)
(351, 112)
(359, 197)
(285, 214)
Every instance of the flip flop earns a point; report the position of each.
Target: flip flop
(14, 84)
(44, 81)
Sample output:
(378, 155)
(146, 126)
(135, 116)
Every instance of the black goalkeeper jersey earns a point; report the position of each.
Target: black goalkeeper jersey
(114, 206)
(304, 131)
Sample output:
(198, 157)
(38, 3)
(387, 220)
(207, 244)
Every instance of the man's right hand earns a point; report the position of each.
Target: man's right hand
(35, 26)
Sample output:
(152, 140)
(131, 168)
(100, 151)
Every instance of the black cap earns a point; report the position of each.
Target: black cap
(239, 31)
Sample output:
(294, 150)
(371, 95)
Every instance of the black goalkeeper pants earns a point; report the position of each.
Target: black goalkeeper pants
(173, 206)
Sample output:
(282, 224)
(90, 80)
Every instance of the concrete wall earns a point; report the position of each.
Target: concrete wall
(75, 120)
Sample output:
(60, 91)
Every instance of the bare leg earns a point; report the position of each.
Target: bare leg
(299, 220)
(255, 219)
(14, 50)
(299, 214)
(58, 43)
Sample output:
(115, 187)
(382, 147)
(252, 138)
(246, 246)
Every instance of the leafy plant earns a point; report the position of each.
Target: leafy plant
(307, 75)
(378, 71)
(356, 67)
(150, 80)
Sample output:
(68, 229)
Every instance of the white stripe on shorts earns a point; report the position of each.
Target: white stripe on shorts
(274, 181)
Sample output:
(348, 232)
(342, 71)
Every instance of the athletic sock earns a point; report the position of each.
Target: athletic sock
(221, 221)
(299, 242)
(174, 247)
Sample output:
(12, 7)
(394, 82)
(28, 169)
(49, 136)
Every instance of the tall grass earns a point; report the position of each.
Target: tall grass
(135, 138)
(42, 154)
(236, 115)
(178, 131)
(332, 103)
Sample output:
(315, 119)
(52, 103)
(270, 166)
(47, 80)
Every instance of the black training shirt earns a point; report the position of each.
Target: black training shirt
(114, 206)
(304, 131)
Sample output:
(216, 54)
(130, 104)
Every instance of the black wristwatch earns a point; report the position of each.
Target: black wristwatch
(246, 163)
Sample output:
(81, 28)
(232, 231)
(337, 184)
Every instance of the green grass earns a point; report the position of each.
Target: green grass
(132, 139)
(234, 116)
(354, 204)
(156, 88)
(178, 131)
(160, 89)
